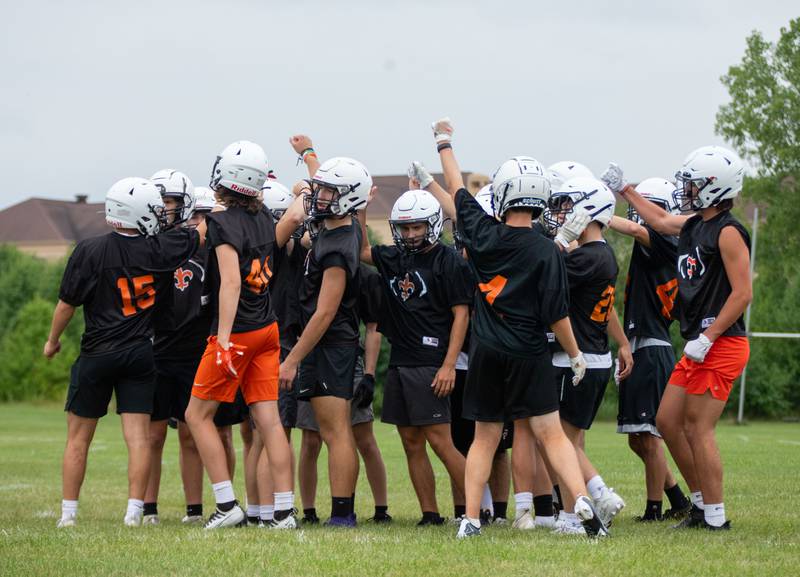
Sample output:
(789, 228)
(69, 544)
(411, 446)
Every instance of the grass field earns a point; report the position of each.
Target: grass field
(762, 465)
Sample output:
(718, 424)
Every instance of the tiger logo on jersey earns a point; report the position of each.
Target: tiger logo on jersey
(404, 288)
(691, 266)
(183, 277)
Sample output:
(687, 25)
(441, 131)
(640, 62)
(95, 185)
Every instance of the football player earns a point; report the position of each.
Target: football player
(522, 283)
(650, 294)
(714, 289)
(243, 351)
(117, 278)
(427, 288)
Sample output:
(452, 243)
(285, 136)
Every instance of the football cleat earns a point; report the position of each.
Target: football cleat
(524, 521)
(67, 521)
(232, 518)
(150, 520)
(466, 529)
(288, 522)
(425, 521)
(677, 514)
(608, 505)
(133, 519)
(385, 518)
(544, 522)
(726, 526)
(486, 517)
(348, 522)
(589, 518)
(192, 520)
(694, 520)
(310, 519)
(500, 521)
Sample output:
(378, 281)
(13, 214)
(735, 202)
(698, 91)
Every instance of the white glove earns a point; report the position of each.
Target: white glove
(698, 348)
(419, 173)
(616, 371)
(442, 130)
(578, 365)
(573, 227)
(614, 178)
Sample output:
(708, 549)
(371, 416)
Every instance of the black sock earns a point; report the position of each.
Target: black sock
(430, 515)
(353, 504)
(151, 508)
(652, 510)
(311, 513)
(459, 511)
(194, 510)
(281, 515)
(500, 509)
(380, 511)
(677, 500)
(227, 506)
(543, 505)
(557, 497)
(341, 506)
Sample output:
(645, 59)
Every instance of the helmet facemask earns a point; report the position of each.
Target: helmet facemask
(559, 207)
(687, 195)
(318, 206)
(174, 217)
(413, 244)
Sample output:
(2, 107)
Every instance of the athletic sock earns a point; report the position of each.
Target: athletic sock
(595, 487)
(69, 508)
(652, 511)
(151, 508)
(341, 506)
(677, 500)
(135, 506)
(486, 500)
(697, 499)
(194, 510)
(381, 511)
(500, 509)
(459, 511)
(284, 502)
(543, 505)
(522, 502)
(253, 511)
(223, 494)
(311, 512)
(714, 514)
(476, 522)
(266, 512)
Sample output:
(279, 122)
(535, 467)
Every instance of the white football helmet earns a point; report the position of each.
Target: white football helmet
(708, 176)
(174, 184)
(350, 181)
(277, 198)
(204, 199)
(416, 206)
(586, 194)
(484, 198)
(135, 203)
(241, 168)
(565, 170)
(659, 191)
(520, 182)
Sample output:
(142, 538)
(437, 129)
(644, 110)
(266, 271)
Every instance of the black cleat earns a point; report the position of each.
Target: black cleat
(310, 520)
(694, 520)
(648, 519)
(428, 520)
(385, 518)
(726, 526)
(486, 517)
(677, 514)
(587, 515)
(252, 521)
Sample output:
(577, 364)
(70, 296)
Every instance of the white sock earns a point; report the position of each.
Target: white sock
(714, 514)
(223, 492)
(135, 506)
(69, 508)
(596, 486)
(486, 500)
(267, 512)
(476, 522)
(284, 501)
(697, 499)
(522, 502)
(571, 518)
(253, 510)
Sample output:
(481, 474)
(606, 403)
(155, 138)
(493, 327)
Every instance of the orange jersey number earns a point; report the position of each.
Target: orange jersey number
(142, 297)
(602, 310)
(259, 276)
(666, 294)
(493, 288)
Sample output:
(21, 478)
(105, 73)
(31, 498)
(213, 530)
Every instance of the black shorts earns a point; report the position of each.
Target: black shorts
(287, 400)
(503, 388)
(579, 404)
(409, 400)
(463, 430)
(130, 374)
(640, 394)
(229, 414)
(327, 372)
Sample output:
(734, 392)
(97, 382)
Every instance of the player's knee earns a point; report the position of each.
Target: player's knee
(311, 443)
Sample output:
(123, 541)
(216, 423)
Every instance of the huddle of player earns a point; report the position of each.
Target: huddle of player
(515, 319)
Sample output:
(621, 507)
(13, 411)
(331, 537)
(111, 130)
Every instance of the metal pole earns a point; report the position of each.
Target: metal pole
(740, 416)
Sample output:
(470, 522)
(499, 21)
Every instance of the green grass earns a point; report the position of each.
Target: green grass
(762, 465)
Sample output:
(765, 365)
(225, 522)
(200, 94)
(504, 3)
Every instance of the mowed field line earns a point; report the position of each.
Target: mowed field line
(761, 480)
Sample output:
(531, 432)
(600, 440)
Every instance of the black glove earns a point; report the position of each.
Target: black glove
(365, 393)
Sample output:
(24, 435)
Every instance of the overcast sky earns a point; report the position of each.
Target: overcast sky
(94, 91)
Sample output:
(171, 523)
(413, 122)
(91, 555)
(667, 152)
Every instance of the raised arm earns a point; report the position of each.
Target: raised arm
(443, 133)
(305, 150)
(290, 221)
(630, 228)
(659, 219)
(366, 247)
(419, 177)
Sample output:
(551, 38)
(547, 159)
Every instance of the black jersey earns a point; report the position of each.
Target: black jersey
(703, 285)
(651, 288)
(339, 247)
(285, 289)
(182, 325)
(522, 281)
(419, 293)
(118, 279)
(592, 272)
(253, 238)
(370, 297)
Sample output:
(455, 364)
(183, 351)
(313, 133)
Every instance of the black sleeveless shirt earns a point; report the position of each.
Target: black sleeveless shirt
(703, 285)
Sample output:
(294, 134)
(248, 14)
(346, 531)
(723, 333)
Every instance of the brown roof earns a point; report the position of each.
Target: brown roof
(390, 188)
(45, 220)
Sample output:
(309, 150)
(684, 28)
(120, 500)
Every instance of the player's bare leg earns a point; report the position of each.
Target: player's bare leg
(80, 432)
(252, 454)
(500, 485)
(191, 474)
(310, 447)
(268, 422)
(158, 436)
(136, 431)
(420, 471)
(266, 486)
(702, 414)
(670, 423)
(479, 466)
(367, 446)
(440, 440)
(523, 468)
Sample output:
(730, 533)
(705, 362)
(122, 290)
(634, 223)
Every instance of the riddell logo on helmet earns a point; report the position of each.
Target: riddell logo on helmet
(236, 188)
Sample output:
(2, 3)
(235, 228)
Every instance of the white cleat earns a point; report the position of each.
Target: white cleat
(524, 521)
(544, 522)
(608, 505)
(221, 519)
(589, 518)
(67, 521)
(466, 529)
(150, 520)
(133, 519)
(289, 522)
(569, 528)
(192, 520)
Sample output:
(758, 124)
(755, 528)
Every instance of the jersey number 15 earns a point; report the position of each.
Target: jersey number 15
(140, 296)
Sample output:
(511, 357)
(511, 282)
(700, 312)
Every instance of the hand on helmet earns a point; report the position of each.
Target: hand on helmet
(614, 178)
(418, 173)
(442, 130)
(573, 227)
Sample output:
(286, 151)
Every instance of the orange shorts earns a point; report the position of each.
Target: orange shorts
(724, 362)
(257, 369)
